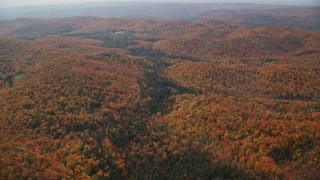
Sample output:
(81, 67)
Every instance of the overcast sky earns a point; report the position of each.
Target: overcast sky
(13, 3)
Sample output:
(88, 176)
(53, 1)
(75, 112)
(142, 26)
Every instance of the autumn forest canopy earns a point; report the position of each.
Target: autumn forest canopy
(146, 91)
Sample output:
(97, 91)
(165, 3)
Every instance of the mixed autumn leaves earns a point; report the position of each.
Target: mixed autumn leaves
(136, 98)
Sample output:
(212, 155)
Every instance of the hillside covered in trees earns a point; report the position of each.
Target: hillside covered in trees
(140, 98)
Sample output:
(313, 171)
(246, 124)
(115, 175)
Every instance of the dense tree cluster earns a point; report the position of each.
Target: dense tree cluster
(248, 134)
(278, 81)
(55, 120)
(239, 42)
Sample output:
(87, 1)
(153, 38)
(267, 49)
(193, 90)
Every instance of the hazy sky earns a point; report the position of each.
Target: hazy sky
(11, 3)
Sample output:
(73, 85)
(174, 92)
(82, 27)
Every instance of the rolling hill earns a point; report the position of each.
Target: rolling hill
(142, 98)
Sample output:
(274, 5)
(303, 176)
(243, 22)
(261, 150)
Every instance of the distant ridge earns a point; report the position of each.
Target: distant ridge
(239, 13)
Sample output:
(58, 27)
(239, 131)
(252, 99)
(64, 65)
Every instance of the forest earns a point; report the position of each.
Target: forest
(143, 98)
